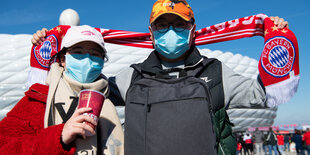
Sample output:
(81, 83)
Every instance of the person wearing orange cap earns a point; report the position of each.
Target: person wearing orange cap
(172, 28)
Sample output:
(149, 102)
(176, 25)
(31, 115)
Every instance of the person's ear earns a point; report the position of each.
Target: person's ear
(62, 60)
(151, 33)
(192, 35)
(152, 36)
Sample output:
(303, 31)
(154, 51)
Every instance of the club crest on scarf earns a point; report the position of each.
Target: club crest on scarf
(278, 56)
(43, 52)
(279, 60)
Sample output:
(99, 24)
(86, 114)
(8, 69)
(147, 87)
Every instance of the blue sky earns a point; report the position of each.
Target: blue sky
(25, 17)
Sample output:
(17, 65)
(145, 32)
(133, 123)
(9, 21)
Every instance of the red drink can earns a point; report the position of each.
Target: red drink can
(93, 99)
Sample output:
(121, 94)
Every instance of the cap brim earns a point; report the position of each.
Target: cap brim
(171, 12)
(74, 42)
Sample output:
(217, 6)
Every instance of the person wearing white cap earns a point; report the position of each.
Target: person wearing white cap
(85, 53)
(47, 121)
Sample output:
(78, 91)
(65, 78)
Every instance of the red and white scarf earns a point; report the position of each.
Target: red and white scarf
(278, 65)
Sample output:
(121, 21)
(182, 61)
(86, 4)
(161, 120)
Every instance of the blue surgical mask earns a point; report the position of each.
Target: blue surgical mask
(172, 44)
(83, 68)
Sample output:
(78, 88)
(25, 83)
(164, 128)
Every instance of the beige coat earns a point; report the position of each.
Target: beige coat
(109, 133)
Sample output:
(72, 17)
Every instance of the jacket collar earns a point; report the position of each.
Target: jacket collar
(153, 65)
(38, 92)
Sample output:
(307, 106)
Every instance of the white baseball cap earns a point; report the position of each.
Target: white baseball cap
(77, 34)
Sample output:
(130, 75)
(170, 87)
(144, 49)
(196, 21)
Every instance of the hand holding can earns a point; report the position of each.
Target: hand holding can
(93, 99)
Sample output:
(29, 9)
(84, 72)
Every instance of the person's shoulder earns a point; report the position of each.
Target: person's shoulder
(210, 58)
(37, 92)
(32, 104)
(125, 73)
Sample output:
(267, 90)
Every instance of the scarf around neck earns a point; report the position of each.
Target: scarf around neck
(64, 90)
(62, 101)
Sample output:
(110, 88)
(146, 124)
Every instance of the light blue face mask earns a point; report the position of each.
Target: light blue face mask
(83, 68)
(172, 44)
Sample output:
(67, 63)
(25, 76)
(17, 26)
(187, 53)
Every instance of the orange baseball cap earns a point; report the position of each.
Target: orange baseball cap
(177, 7)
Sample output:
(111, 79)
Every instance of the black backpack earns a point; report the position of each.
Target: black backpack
(170, 116)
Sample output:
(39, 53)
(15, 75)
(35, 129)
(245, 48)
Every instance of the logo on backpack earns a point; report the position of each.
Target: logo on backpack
(206, 79)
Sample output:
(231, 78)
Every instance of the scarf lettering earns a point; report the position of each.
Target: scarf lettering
(65, 116)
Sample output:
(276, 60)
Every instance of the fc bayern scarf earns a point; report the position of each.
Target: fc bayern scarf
(278, 65)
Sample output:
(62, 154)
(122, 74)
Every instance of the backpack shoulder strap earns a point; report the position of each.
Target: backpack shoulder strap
(137, 68)
(197, 70)
(137, 74)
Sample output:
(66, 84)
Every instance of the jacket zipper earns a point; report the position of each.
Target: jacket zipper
(221, 149)
(38, 92)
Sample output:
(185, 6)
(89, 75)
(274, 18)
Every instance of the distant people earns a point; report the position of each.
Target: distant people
(248, 143)
(242, 143)
(297, 139)
(239, 139)
(265, 144)
(258, 140)
(306, 139)
(304, 146)
(272, 142)
(280, 138)
(287, 139)
(239, 148)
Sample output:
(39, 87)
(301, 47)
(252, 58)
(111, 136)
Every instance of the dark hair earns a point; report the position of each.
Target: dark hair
(57, 57)
(105, 56)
